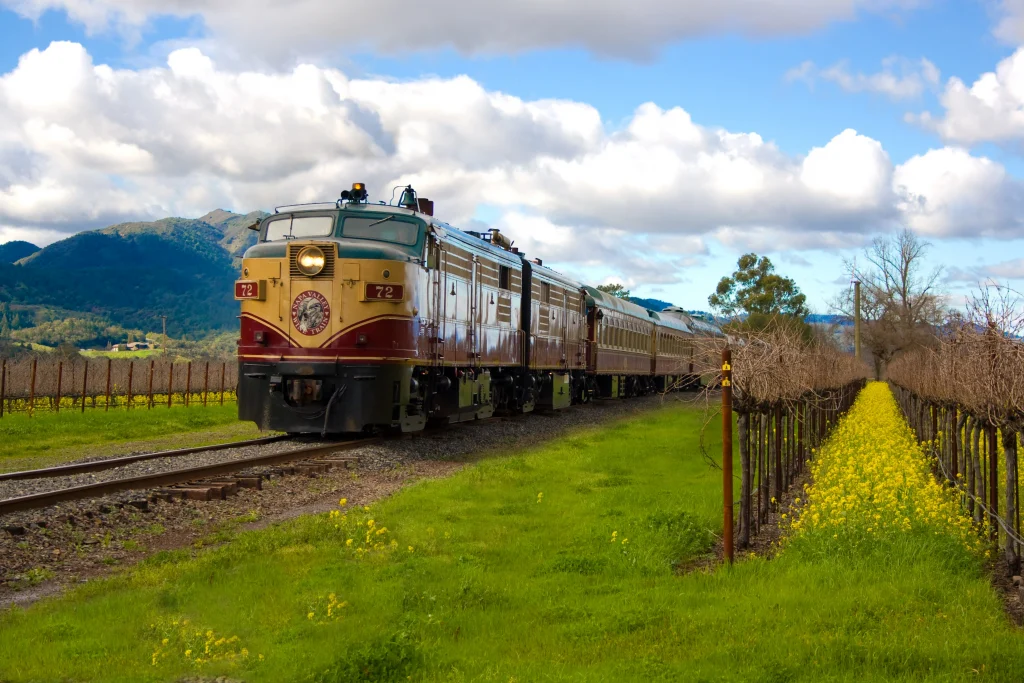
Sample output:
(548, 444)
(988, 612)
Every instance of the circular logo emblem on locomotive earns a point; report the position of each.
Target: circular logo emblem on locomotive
(311, 312)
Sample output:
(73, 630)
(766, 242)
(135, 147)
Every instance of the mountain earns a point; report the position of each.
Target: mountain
(16, 250)
(651, 304)
(131, 274)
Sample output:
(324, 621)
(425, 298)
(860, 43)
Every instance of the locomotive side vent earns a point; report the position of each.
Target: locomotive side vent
(329, 250)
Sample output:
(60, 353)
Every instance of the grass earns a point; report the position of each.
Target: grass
(518, 568)
(52, 438)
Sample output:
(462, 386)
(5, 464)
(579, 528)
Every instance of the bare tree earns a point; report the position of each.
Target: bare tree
(900, 300)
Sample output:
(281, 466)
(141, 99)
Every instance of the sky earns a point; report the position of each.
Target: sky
(649, 143)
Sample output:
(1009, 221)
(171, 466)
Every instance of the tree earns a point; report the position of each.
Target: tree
(615, 289)
(755, 289)
(900, 302)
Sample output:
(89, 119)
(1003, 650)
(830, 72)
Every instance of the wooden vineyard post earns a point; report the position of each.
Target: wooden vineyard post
(131, 372)
(188, 383)
(60, 379)
(149, 393)
(85, 383)
(223, 368)
(1012, 504)
(777, 489)
(170, 383)
(743, 432)
(3, 385)
(106, 407)
(727, 453)
(954, 440)
(993, 480)
(206, 382)
(32, 389)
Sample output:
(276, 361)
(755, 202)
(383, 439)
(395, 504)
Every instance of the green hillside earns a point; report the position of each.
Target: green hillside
(12, 251)
(130, 274)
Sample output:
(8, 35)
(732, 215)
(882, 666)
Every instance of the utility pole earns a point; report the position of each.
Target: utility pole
(856, 318)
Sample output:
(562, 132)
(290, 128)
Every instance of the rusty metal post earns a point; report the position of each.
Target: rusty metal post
(131, 373)
(170, 383)
(107, 406)
(206, 382)
(727, 453)
(149, 393)
(188, 383)
(223, 369)
(60, 379)
(32, 389)
(85, 382)
(3, 385)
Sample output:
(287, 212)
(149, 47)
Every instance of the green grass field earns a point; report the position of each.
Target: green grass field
(556, 564)
(51, 438)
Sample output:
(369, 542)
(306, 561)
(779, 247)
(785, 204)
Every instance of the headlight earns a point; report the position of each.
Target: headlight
(310, 261)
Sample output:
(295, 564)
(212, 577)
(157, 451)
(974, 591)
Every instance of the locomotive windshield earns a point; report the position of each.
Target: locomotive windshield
(297, 227)
(382, 228)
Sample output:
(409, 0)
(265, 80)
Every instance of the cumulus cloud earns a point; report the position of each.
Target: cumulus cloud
(947, 192)
(900, 78)
(990, 110)
(280, 29)
(83, 145)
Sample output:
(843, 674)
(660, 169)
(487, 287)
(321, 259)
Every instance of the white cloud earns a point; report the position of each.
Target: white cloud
(947, 192)
(111, 145)
(990, 110)
(1013, 269)
(900, 78)
(280, 29)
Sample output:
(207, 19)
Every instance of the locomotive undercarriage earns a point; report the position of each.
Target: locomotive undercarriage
(334, 398)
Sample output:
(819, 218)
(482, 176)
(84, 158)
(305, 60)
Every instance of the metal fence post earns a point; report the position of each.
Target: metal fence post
(727, 453)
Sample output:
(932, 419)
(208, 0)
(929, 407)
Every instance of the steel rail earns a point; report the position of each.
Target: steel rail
(111, 463)
(38, 500)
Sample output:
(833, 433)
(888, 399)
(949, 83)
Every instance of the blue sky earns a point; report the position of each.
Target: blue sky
(725, 79)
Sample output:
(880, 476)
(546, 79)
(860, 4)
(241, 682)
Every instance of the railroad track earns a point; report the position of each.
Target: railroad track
(111, 463)
(202, 483)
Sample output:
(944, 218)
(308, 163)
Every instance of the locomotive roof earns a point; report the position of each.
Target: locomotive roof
(595, 297)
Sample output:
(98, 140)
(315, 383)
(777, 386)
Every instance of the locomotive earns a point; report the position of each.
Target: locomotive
(360, 316)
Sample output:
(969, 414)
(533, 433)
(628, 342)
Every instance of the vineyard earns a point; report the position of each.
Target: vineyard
(33, 384)
(965, 400)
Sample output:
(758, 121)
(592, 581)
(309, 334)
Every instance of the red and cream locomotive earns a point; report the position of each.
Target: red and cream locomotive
(359, 316)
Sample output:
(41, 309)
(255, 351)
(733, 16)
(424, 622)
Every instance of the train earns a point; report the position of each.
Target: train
(363, 317)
